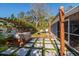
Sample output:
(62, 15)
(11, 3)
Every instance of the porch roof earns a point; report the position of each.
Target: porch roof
(67, 14)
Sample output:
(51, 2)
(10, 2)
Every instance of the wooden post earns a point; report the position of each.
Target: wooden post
(61, 21)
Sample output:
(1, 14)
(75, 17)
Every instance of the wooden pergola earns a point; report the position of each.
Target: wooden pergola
(63, 24)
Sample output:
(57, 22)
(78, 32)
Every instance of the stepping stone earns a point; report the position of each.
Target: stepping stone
(9, 51)
(48, 41)
(22, 52)
(52, 39)
(32, 40)
(50, 53)
(57, 42)
(36, 52)
(39, 41)
(58, 46)
(28, 45)
(38, 45)
(49, 46)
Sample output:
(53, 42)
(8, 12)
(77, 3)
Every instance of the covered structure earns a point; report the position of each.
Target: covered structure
(71, 27)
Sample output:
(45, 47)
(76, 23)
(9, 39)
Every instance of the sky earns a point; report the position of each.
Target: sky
(6, 9)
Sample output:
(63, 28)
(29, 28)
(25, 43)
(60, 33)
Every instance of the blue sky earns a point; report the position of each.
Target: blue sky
(6, 9)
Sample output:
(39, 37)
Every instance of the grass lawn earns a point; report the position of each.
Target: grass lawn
(1, 36)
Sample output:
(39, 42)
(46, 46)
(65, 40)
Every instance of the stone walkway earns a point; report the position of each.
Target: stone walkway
(37, 47)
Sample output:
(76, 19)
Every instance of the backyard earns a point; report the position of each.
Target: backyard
(36, 30)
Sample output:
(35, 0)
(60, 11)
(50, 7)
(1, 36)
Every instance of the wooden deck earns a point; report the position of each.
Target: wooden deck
(42, 35)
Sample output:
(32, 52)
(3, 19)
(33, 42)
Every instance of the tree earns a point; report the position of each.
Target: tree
(43, 24)
(38, 11)
(21, 15)
(12, 16)
(51, 19)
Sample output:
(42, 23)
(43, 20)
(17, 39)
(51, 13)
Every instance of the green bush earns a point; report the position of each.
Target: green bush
(24, 24)
(3, 48)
